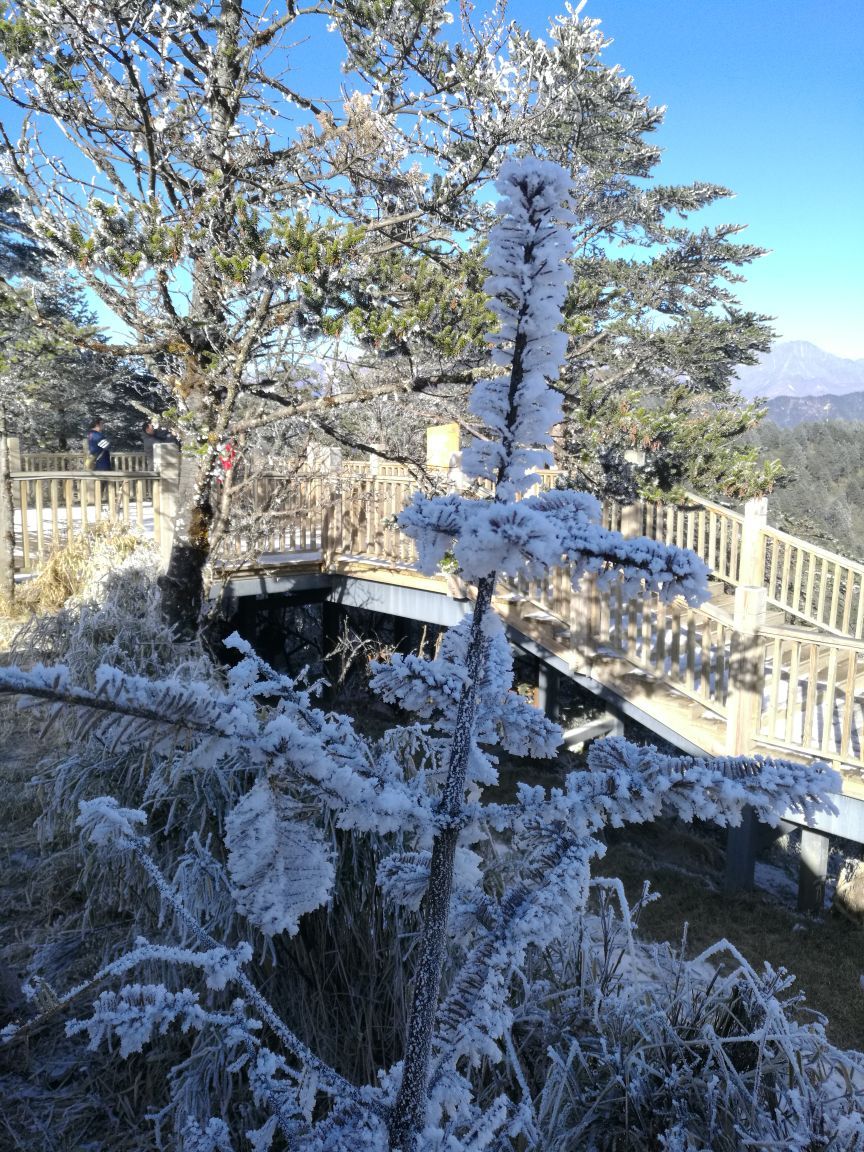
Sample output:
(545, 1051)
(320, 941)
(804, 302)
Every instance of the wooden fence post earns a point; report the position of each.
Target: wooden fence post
(10, 461)
(747, 663)
(13, 446)
(166, 461)
(746, 682)
(631, 519)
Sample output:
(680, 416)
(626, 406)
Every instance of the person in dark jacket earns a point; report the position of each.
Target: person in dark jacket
(99, 447)
(149, 437)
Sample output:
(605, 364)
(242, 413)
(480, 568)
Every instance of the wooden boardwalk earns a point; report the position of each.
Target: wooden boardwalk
(773, 663)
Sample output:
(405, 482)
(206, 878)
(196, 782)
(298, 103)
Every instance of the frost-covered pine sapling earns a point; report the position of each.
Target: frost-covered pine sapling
(527, 262)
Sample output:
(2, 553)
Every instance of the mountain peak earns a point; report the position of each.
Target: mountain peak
(799, 368)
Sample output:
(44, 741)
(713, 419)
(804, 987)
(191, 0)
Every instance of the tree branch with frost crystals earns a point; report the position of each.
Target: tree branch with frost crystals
(107, 824)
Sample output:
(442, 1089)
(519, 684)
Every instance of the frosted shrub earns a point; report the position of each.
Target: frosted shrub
(113, 617)
(537, 1020)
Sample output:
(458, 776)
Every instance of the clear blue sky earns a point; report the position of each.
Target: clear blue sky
(767, 98)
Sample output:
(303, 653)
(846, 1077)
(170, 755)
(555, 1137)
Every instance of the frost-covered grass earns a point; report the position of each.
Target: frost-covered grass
(71, 575)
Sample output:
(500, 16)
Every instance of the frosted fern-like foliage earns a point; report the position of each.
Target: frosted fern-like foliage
(214, 1136)
(279, 866)
(137, 1012)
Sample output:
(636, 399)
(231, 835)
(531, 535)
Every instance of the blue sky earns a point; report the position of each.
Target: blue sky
(767, 98)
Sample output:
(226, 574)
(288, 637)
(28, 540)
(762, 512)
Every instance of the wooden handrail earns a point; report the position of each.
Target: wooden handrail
(814, 549)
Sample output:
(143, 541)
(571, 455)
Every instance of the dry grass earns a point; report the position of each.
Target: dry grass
(65, 575)
(825, 954)
(54, 1097)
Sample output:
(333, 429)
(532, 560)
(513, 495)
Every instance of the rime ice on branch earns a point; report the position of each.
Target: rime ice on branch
(528, 278)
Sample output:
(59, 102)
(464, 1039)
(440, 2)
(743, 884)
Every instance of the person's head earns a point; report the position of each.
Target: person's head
(148, 428)
(97, 424)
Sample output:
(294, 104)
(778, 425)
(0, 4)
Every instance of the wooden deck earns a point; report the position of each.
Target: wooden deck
(773, 663)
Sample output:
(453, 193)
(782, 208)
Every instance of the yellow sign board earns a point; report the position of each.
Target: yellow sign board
(442, 444)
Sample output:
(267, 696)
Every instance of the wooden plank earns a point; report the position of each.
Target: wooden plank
(661, 638)
(712, 542)
(807, 607)
(849, 590)
(55, 514)
(734, 551)
(675, 647)
(692, 679)
(23, 501)
(783, 597)
(828, 703)
(69, 493)
(823, 591)
(649, 604)
(795, 599)
(772, 577)
(811, 697)
(723, 567)
(835, 594)
(40, 527)
(844, 749)
(632, 631)
(792, 692)
(774, 686)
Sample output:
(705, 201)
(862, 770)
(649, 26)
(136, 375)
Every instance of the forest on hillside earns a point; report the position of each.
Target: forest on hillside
(821, 496)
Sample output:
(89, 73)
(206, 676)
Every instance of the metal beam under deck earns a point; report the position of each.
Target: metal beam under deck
(410, 603)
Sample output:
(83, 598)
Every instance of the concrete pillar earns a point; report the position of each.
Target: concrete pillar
(547, 690)
(741, 846)
(812, 871)
(166, 461)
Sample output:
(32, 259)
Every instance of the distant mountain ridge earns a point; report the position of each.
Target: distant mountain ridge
(797, 368)
(789, 411)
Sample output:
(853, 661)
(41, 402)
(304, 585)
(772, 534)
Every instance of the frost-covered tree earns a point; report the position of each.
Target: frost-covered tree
(282, 252)
(519, 1024)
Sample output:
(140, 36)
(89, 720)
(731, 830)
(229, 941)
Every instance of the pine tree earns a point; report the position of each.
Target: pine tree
(280, 256)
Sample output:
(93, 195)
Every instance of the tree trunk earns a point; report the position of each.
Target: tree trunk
(183, 584)
(410, 1105)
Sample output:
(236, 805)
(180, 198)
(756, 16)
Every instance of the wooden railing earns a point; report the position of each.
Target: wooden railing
(53, 508)
(814, 585)
(121, 461)
(770, 686)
